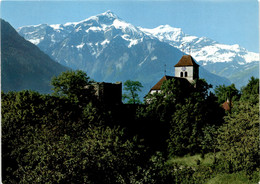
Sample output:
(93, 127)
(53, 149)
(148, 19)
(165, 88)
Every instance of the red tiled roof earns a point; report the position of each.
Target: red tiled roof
(186, 60)
(226, 105)
(158, 85)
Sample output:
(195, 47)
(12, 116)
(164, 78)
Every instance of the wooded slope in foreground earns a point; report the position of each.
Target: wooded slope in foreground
(69, 137)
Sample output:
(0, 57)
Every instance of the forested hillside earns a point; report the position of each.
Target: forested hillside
(182, 135)
(24, 65)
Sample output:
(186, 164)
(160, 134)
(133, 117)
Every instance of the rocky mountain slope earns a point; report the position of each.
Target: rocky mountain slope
(24, 65)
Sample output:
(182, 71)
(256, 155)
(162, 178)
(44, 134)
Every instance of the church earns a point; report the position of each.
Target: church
(186, 70)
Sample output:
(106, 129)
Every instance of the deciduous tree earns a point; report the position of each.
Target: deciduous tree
(75, 85)
(251, 91)
(132, 88)
(239, 137)
(224, 92)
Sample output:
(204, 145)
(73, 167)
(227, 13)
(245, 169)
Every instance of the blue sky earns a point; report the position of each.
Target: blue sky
(226, 21)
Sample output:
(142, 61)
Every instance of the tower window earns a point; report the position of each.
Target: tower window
(186, 74)
(181, 74)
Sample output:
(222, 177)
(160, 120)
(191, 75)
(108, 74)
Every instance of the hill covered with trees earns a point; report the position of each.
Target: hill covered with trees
(70, 137)
(24, 65)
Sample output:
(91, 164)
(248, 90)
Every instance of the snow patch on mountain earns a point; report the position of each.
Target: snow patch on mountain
(251, 56)
(121, 25)
(56, 26)
(80, 46)
(105, 42)
(154, 58)
(94, 29)
(36, 41)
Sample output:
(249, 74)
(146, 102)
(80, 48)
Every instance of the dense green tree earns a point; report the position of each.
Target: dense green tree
(251, 91)
(154, 118)
(192, 125)
(100, 155)
(20, 116)
(184, 110)
(186, 129)
(238, 138)
(209, 142)
(132, 88)
(162, 105)
(47, 139)
(224, 92)
(75, 85)
(26, 113)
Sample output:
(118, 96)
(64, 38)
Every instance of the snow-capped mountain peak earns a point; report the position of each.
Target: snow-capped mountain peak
(104, 18)
(110, 14)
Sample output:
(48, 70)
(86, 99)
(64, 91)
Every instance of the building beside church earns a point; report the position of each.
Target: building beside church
(186, 70)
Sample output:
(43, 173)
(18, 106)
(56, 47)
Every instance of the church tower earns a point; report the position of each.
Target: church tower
(187, 68)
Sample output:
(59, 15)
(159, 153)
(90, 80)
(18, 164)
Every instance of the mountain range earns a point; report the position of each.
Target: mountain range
(110, 49)
(24, 65)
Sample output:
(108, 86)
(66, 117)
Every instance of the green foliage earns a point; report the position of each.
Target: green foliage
(251, 91)
(24, 114)
(234, 178)
(68, 138)
(239, 136)
(227, 92)
(191, 160)
(132, 88)
(209, 141)
(159, 109)
(73, 85)
(161, 106)
(48, 139)
(186, 112)
(100, 155)
(206, 171)
(159, 171)
(19, 116)
(186, 129)
(193, 115)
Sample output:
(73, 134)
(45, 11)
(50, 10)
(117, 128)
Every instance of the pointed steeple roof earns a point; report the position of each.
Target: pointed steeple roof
(186, 60)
